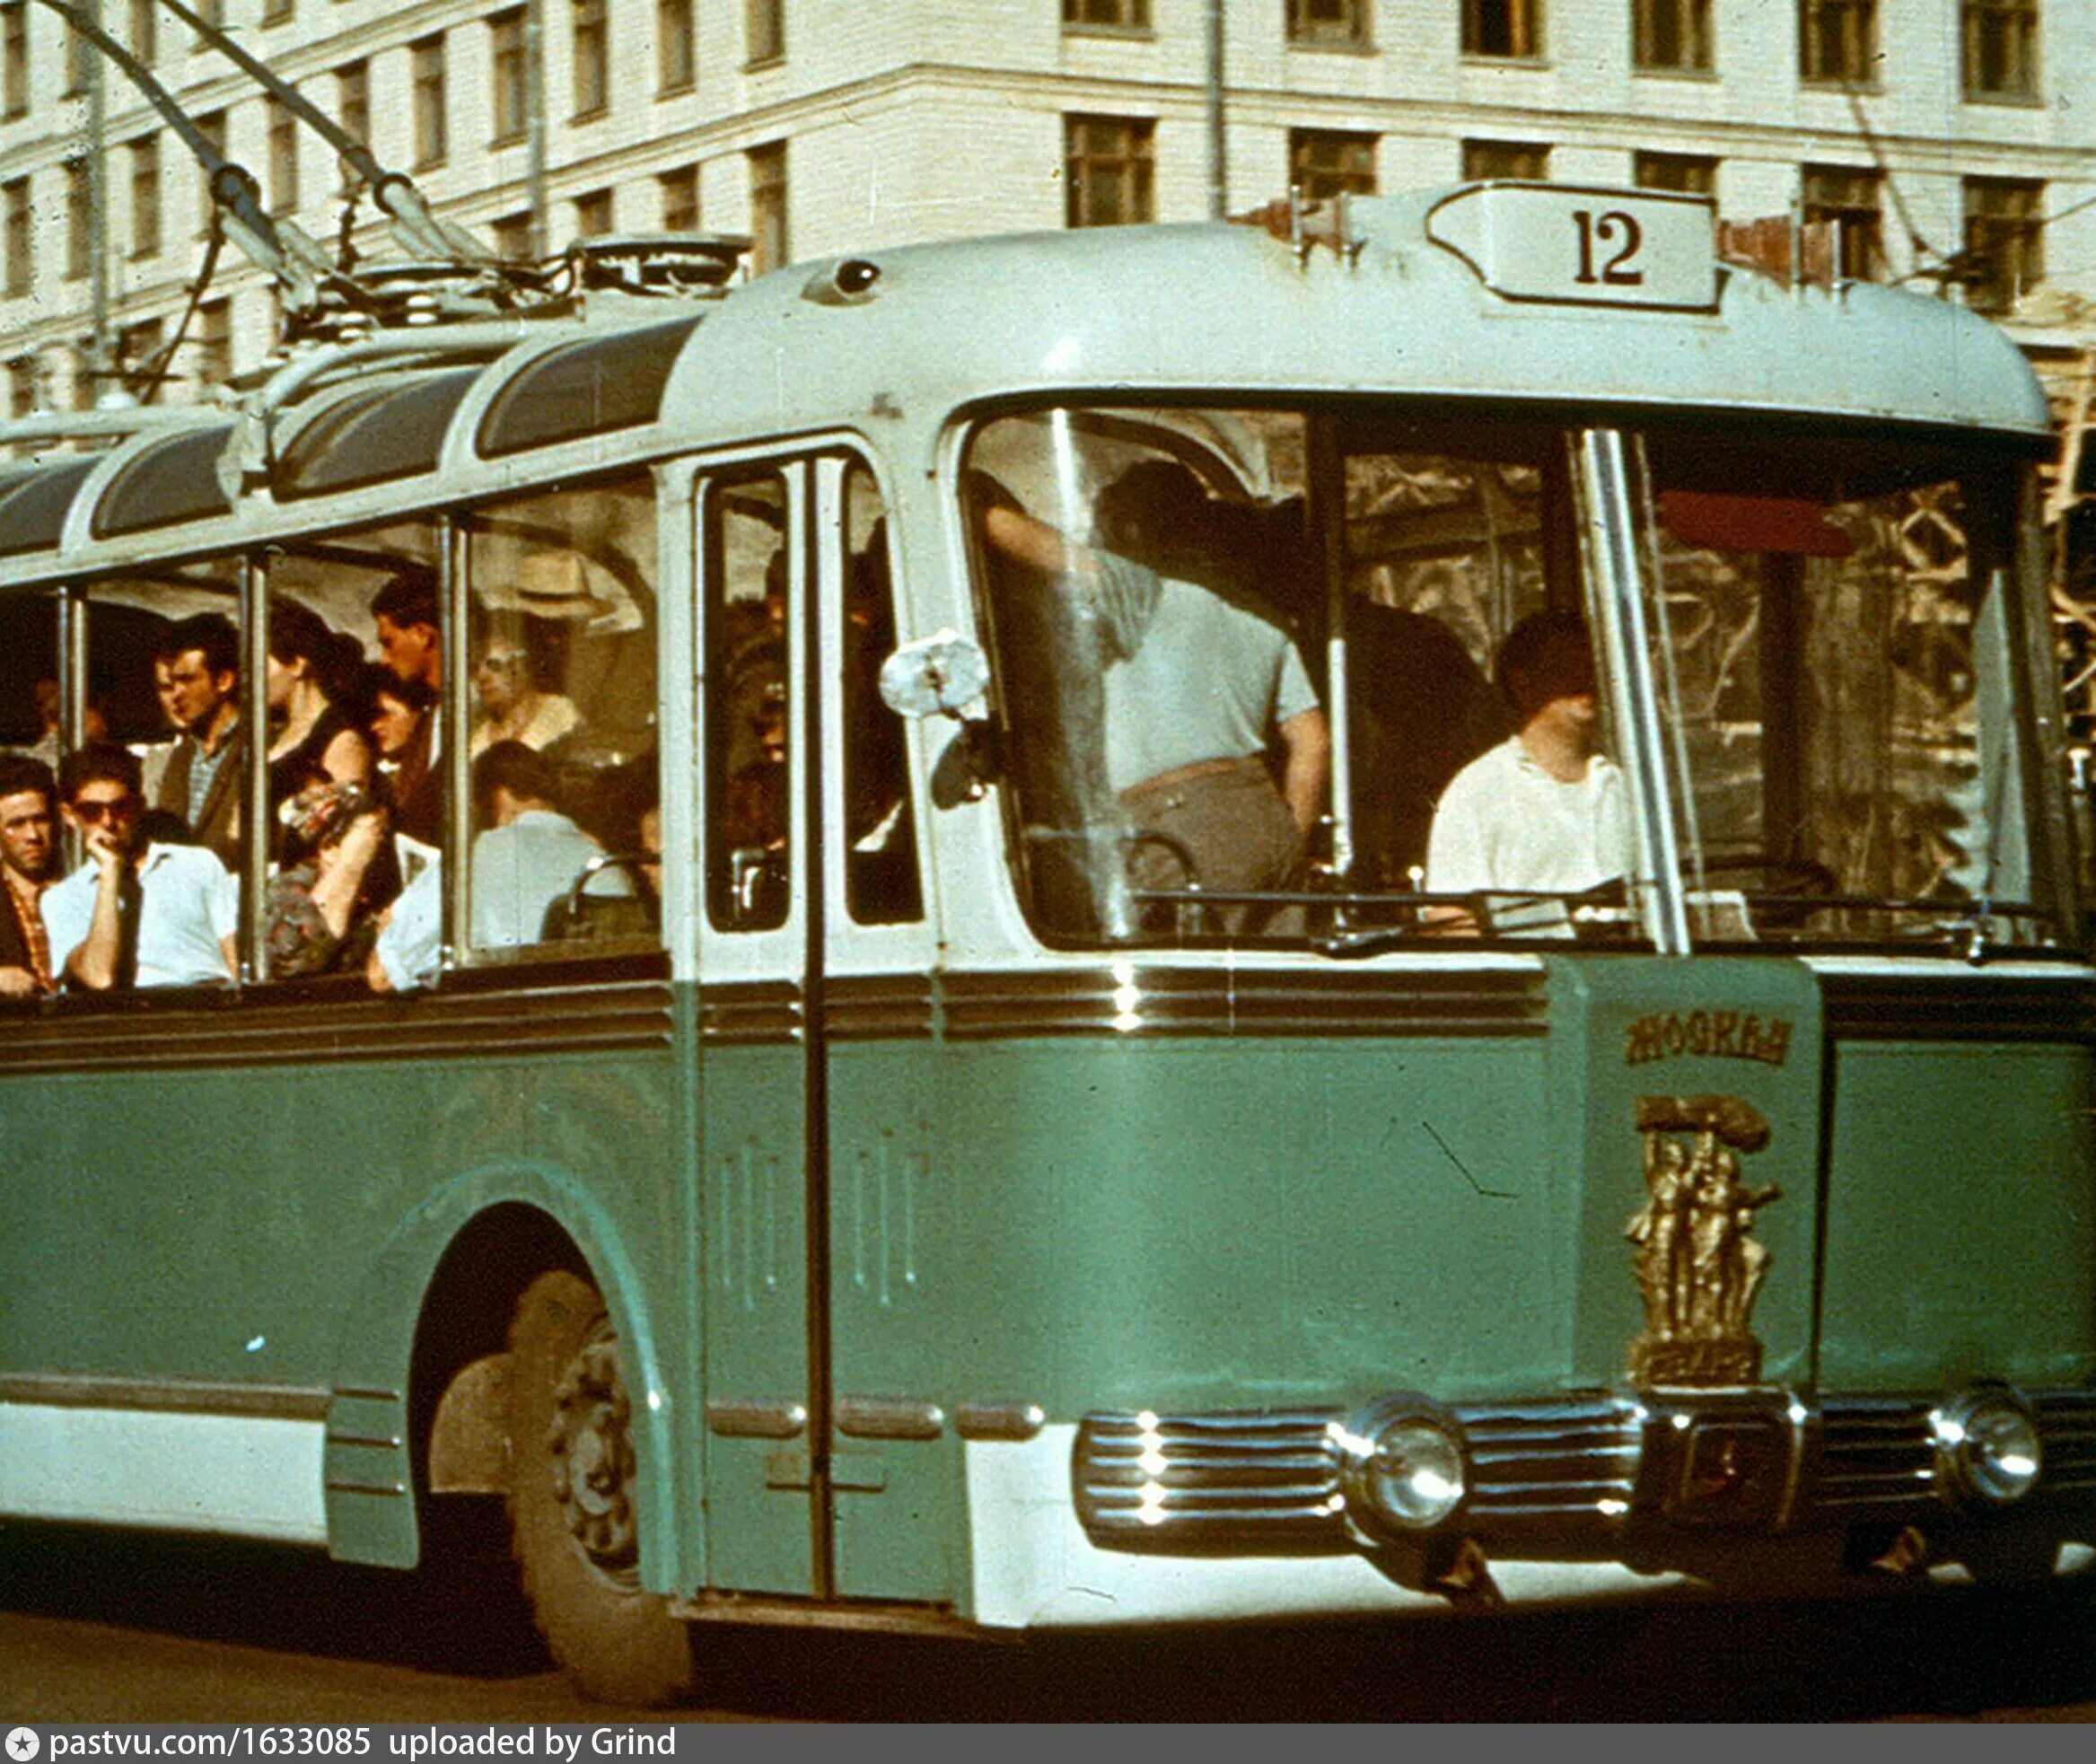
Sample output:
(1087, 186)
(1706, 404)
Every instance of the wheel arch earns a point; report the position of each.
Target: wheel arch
(435, 1304)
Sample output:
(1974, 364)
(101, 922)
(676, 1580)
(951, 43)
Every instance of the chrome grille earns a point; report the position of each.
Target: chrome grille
(1535, 1462)
(1877, 1457)
(2066, 1423)
(1208, 1479)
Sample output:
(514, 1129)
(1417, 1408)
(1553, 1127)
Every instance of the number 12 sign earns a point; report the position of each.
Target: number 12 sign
(1583, 247)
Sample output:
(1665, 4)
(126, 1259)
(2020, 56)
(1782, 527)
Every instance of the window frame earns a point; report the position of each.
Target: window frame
(1085, 161)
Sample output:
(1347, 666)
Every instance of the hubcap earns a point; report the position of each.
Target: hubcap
(592, 1459)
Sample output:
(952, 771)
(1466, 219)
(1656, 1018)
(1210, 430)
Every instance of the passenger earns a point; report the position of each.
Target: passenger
(46, 746)
(410, 639)
(29, 859)
(316, 740)
(1199, 674)
(141, 913)
(1543, 813)
(528, 855)
(414, 788)
(513, 706)
(197, 669)
(315, 914)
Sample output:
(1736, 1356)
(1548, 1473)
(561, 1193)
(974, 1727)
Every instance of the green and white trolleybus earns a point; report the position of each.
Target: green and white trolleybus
(892, 1183)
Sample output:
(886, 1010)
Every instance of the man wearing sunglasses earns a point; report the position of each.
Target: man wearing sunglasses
(137, 913)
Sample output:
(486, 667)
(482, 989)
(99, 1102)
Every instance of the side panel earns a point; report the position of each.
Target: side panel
(1960, 1213)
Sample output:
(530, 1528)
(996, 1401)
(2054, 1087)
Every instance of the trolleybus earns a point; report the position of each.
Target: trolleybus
(902, 1177)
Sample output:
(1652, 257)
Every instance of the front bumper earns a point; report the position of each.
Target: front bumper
(1650, 1478)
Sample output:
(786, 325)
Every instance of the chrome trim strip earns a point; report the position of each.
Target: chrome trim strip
(336, 1486)
(865, 1007)
(467, 1016)
(284, 1402)
(361, 1441)
(1149, 1001)
(733, 1418)
(355, 1393)
(1015, 1421)
(888, 1417)
(751, 1012)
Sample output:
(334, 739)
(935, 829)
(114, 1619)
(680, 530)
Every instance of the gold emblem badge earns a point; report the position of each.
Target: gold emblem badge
(1697, 1262)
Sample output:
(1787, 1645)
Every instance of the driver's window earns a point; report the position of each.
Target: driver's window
(748, 799)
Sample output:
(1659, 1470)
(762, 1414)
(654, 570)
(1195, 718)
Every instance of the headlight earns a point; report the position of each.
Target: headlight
(1987, 1447)
(1401, 1465)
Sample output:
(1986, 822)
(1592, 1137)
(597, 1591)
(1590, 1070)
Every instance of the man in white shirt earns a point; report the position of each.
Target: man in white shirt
(1544, 812)
(137, 913)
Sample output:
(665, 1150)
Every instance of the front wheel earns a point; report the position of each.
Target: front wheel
(572, 1521)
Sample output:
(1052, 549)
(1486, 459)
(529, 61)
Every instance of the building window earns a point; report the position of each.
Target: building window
(215, 341)
(2001, 49)
(1108, 168)
(22, 390)
(1510, 30)
(676, 47)
(1323, 164)
(277, 11)
(2004, 242)
(1505, 159)
(144, 35)
(80, 219)
(145, 196)
(139, 348)
(80, 56)
(14, 60)
(509, 74)
(426, 60)
(1851, 199)
(1670, 36)
(1691, 174)
(21, 230)
(352, 109)
(213, 13)
(764, 29)
(1110, 15)
(592, 82)
(282, 135)
(211, 126)
(1329, 24)
(767, 207)
(593, 214)
(1838, 43)
(679, 193)
(513, 239)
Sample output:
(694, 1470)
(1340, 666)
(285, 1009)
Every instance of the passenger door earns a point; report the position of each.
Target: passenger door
(756, 1054)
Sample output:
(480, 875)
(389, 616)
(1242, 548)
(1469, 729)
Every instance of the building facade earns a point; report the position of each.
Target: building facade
(1945, 135)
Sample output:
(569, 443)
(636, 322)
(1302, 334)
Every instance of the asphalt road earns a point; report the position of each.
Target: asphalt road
(113, 1627)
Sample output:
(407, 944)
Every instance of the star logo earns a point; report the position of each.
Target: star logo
(22, 1744)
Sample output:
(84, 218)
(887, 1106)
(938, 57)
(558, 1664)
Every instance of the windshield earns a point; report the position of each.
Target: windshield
(1337, 676)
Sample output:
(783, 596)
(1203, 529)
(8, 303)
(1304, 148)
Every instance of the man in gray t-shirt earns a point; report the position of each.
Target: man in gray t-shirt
(1198, 674)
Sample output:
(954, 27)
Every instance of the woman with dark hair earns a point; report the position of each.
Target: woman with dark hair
(398, 710)
(317, 740)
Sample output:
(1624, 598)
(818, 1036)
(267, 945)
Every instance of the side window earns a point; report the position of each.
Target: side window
(153, 793)
(881, 884)
(561, 730)
(355, 647)
(748, 797)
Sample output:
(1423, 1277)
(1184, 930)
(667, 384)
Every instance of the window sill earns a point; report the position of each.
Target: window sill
(515, 138)
(764, 64)
(682, 89)
(1336, 45)
(1533, 64)
(2005, 100)
(1120, 33)
(1702, 76)
(596, 113)
(1836, 87)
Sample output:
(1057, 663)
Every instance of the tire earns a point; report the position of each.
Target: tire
(572, 1523)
